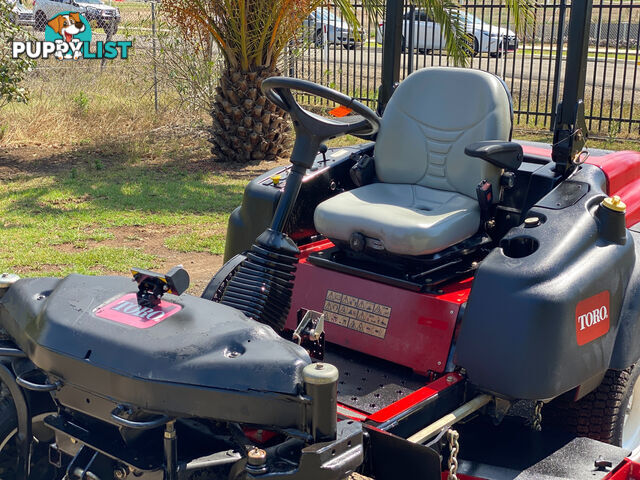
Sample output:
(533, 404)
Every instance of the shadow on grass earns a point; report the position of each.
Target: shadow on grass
(111, 176)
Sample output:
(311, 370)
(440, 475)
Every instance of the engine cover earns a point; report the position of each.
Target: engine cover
(90, 332)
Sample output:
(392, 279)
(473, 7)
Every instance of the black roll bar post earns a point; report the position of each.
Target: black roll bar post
(570, 128)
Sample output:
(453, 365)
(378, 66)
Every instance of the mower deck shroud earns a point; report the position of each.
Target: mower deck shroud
(207, 360)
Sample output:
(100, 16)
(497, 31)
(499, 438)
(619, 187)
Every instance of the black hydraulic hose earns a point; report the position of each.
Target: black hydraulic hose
(24, 435)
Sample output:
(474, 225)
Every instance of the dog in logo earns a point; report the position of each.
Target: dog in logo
(68, 25)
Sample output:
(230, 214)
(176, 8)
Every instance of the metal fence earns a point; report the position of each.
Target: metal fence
(329, 53)
(527, 63)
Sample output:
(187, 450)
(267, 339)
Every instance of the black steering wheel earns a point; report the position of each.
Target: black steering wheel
(311, 129)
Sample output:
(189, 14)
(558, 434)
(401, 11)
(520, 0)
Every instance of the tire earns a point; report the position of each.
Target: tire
(610, 413)
(40, 21)
(41, 469)
(318, 39)
(498, 54)
(472, 45)
(110, 28)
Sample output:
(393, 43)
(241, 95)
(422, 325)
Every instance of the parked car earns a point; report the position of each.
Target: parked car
(323, 26)
(428, 35)
(105, 16)
(20, 15)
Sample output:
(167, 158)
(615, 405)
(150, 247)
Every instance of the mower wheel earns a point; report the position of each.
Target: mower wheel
(610, 413)
(41, 469)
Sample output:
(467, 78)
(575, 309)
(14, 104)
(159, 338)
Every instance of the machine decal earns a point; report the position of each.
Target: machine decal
(127, 311)
(592, 317)
(357, 314)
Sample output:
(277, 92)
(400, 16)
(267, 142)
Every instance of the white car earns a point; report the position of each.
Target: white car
(427, 34)
(20, 15)
(105, 16)
(323, 26)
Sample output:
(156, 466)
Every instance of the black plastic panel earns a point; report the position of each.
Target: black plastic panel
(512, 450)
(518, 335)
(207, 359)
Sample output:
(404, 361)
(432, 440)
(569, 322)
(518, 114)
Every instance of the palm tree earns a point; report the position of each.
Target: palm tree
(252, 35)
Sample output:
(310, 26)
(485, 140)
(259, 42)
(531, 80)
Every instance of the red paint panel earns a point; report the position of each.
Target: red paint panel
(416, 397)
(592, 317)
(416, 331)
(541, 151)
(461, 476)
(126, 310)
(622, 170)
(627, 470)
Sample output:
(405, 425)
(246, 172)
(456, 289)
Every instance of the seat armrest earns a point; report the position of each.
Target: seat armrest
(507, 155)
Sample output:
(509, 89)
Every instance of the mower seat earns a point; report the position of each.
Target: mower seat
(426, 198)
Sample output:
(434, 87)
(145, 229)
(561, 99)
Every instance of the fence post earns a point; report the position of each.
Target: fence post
(556, 74)
(155, 63)
(391, 51)
(409, 43)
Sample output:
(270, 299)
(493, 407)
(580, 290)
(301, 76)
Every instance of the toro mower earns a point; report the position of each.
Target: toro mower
(437, 302)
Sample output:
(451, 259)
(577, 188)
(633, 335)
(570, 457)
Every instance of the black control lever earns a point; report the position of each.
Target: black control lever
(152, 286)
(323, 150)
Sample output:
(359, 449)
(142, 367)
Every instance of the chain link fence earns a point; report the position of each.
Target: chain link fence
(161, 71)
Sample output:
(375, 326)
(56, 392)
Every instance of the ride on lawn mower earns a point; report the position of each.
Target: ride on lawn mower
(439, 302)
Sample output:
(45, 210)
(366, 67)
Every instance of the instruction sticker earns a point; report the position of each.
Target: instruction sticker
(357, 314)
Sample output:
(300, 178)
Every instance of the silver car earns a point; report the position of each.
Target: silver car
(20, 15)
(428, 35)
(105, 16)
(323, 26)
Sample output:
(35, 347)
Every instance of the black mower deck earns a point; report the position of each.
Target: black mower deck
(513, 451)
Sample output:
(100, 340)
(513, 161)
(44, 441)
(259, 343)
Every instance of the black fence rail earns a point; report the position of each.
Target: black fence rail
(332, 54)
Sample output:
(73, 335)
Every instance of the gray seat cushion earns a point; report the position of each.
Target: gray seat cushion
(407, 219)
(426, 200)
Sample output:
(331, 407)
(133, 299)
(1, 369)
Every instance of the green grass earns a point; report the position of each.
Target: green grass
(81, 219)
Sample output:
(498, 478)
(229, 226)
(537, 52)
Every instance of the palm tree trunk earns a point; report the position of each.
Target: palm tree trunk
(245, 125)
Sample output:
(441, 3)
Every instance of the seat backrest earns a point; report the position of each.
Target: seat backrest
(432, 116)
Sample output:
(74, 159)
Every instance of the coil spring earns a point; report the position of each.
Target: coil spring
(262, 286)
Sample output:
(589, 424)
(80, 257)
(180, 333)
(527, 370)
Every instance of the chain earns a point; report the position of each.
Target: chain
(454, 448)
(537, 417)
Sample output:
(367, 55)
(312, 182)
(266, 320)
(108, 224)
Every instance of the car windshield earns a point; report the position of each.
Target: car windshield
(466, 17)
(325, 15)
(92, 2)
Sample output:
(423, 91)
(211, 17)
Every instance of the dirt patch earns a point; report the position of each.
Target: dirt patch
(150, 239)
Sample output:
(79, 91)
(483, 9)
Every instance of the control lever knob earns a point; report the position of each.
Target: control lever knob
(323, 150)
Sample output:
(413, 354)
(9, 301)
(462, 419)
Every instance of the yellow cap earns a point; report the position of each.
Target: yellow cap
(275, 179)
(614, 203)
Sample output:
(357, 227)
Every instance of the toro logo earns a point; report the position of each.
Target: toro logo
(126, 310)
(592, 317)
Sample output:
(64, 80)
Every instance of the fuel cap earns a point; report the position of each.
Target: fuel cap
(614, 203)
(531, 222)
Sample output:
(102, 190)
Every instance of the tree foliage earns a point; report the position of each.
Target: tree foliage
(12, 71)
